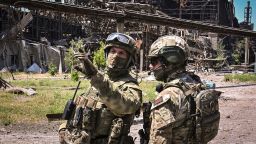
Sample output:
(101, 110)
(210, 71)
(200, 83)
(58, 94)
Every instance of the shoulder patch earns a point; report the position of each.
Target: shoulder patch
(161, 100)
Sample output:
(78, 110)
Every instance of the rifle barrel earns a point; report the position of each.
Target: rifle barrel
(76, 90)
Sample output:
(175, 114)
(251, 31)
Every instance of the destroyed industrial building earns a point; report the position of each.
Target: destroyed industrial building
(38, 32)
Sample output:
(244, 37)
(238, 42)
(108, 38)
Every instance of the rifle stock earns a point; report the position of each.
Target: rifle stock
(54, 117)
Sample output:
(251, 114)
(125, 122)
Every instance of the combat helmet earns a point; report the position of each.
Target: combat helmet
(122, 41)
(171, 48)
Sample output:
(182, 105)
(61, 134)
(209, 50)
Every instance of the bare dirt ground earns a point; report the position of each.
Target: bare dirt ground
(237, 125)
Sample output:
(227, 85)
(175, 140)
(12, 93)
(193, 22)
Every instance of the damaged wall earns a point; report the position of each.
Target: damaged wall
(21, 54)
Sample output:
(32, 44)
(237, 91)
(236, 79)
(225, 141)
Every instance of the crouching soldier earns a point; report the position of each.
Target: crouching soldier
(104, 114)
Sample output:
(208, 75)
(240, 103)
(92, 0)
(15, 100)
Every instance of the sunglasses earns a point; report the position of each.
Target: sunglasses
(154, 60)
(121, 38)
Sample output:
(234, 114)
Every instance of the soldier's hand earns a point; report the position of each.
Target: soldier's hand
(80, 56)
(78, 68)
(85, 66)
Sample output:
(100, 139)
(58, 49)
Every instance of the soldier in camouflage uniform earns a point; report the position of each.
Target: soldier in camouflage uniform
(170, 112)
(106, 111)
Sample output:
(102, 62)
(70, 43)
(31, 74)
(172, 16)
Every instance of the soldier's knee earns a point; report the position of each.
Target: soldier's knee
(63, 126)
(63, 136)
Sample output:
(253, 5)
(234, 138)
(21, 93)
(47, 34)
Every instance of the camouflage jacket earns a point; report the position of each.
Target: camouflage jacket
(122, 96)
(170, 113)
(107, 112)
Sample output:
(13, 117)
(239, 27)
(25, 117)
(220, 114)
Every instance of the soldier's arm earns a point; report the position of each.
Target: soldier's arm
(167, 113)
(120, 100)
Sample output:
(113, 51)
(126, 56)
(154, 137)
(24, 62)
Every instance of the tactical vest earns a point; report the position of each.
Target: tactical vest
(202, 117)
(98, 121)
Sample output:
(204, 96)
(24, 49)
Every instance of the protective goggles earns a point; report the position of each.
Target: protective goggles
(120, 38)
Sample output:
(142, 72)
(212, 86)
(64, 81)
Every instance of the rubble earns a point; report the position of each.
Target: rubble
(4, 84)
(16, 90)
(19, 90)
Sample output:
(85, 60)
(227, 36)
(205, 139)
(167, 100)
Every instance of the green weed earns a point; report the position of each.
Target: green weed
(148, 89)
(240, 77)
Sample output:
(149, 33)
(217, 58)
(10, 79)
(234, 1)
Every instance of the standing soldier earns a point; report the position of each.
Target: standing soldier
(105, 113)
(174, 111)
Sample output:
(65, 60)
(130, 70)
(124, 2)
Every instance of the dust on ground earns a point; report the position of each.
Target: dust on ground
(237, 124)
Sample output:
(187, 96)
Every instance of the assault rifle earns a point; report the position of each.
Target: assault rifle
(144, 133)
(69, 108)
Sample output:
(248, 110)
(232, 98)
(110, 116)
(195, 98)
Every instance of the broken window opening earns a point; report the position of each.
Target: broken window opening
(14, 60)
(32, 59)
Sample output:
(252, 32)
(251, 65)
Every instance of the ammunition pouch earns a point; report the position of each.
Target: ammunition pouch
(88, 119)
(78, 117)
(67, 136)
(116, 131)
(84, 138)
(99, 122)
(80, 113)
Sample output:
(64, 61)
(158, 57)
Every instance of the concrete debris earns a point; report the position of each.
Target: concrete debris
(4, 84)
(18, 90)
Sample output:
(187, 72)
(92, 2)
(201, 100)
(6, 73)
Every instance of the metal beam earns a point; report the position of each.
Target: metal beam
(60, 7)
(187, 24)
(129, 15)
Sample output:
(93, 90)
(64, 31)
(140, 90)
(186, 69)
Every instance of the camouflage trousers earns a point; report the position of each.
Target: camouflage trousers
(74, 137)
(81, 137)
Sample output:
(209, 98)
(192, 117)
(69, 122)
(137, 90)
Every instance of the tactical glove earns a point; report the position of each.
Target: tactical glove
(86, 66)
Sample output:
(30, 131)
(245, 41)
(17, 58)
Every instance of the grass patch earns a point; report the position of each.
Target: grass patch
(240, 77)
(148, 89)
(51, 97)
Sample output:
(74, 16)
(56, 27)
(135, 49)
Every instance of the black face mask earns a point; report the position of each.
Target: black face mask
(159, 74)
(116, 62)
(116, 67)
(168, 73)
(164, 72)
